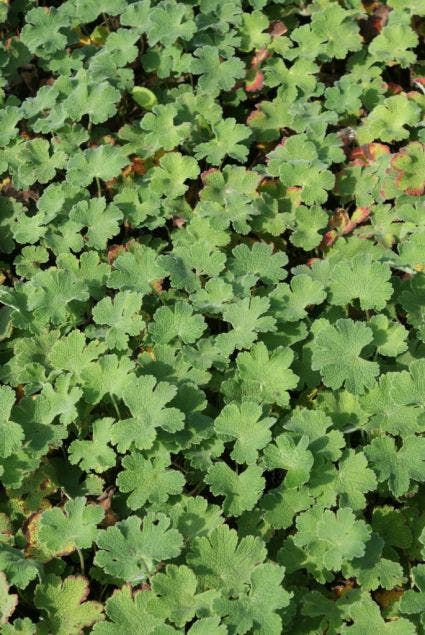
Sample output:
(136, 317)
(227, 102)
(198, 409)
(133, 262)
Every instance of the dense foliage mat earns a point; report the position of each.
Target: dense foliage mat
(212, 318)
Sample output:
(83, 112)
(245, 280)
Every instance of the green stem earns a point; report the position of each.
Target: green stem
(114, 403)
(197, 489)
(80, 555)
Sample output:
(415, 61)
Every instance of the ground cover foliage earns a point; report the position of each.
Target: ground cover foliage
(212, 318)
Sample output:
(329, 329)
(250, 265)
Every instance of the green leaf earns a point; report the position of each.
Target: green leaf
(389, 337)
(160, 130)
(392, 525)
(146, 399)
(100, 220)
(72, 354)
(296, 162)
(309, 222)
(177, 322)
(334, 539)
(289, 302)
(23, 626)
(215, 75)
(392, 44)
(336, 354)
(61, 532)
(208, 626)
(372, 570)
(131, 552)
(51, 291)
(247, 319)
(42, 32)
(363, 279)
(104, 162)
(94, 454)
(281, 505)
(398, 466)
(122, 317)
(241, 491)
(169, 178)
(33, 162)
(388, 121)
(296, 459)
(176, 596)
(246, 425)
(334, 19)
(9, 117)
(169, 23)
(258, 263)
(128, 612)
(253, 25)
(136, 270)
(97, 100)
(11, 433)
(149, 479)
(368, 617)
(63, 605)
(262, 376)
(354, 479)
(8, 601)
(86, 11)
(19, 570)
(228, 197)
(258, 607)
(226, 142)
(223, 562)
(413, 602)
